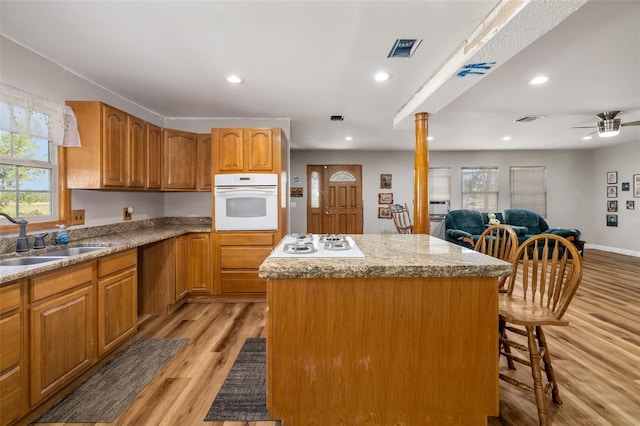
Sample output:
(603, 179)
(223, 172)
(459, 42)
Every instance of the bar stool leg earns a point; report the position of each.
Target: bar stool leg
(546, 357)
(534, 356)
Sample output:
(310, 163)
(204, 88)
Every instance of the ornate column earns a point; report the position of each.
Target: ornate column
(421, 176)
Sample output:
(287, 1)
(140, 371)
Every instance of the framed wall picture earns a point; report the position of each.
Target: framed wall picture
(297, 191)
(384, 212)
(636, 186)
(631, 205)
(625, 186)
(385, 198)
(385, 181)
(612, 220)
(612, 177)
(612, 191)
(612, 206)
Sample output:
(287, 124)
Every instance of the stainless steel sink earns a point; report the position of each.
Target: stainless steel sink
(74, 251)
(29, 260)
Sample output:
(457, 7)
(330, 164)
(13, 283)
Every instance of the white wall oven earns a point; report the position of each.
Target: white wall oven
(246, 202)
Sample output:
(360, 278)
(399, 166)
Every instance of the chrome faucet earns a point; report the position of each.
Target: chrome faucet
(23, 243)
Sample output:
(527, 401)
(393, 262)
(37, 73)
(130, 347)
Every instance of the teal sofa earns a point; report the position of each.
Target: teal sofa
(530, 223)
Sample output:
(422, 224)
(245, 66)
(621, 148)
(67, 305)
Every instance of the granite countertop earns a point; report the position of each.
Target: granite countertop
(390, 255)
(112, 243)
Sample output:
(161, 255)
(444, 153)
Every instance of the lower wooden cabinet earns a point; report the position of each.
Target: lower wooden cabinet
(117, 299)
(62, 328)
(199, 261)
(182, 268)
(13, 354)
(241, 254)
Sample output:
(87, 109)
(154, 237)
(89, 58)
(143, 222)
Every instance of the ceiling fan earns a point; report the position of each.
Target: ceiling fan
(608, 125)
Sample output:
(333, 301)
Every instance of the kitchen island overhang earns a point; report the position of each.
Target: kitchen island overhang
(406, 335)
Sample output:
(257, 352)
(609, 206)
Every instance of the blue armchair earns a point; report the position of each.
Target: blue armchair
(535, 224)
(463, 227)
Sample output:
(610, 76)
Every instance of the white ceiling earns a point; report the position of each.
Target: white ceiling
(307, 60)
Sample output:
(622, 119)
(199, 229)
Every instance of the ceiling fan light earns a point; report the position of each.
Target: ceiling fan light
(609, 128)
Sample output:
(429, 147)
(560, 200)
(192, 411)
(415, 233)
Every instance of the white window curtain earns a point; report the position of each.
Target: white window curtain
(28, 114)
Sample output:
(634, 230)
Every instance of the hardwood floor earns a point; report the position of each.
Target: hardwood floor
(596, 357)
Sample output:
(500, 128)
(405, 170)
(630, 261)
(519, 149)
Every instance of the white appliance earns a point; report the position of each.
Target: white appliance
(312, 245)
(246, 202)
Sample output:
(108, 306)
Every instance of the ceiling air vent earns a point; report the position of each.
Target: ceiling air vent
(529, 118)
(404, 48)
(337, 117)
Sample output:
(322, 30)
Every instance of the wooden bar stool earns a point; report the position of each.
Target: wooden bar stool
(547, 271)
(499, 241)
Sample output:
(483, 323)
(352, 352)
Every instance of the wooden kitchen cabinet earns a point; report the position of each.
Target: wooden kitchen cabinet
(180, 160)
(240, 256)
(204, 162)
(199, 263)
(153, 157)
(62, 327)
(182, 268)
(136, 176)
(117, 299)
(101, 161)
(246, 150)
(14, 374)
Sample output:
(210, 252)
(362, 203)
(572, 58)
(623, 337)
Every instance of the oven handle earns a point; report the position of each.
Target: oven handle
(245, 190)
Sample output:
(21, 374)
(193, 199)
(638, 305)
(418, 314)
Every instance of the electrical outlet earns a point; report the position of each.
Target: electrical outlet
(125, 214)
(77, 217)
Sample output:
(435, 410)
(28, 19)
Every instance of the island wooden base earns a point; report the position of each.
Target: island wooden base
(382, 351)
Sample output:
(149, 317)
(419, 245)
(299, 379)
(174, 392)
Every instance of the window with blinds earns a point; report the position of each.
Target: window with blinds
(439, 184)
(528, 188)
(480, 188)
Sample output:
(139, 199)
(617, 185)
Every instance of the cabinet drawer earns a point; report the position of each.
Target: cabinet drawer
(246, 239)
(11, 338)
(9, 297)
(65, 279)
(242, 282)
(110, 264)
(243, 257)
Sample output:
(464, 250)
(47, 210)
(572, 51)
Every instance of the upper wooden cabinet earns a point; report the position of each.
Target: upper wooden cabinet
(136, 152)
(154, 157)
(115, 150)
(180, 160)
(204, 162)
(246, 150)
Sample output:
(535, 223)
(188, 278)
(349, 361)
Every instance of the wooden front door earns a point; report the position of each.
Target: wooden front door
(334, 204)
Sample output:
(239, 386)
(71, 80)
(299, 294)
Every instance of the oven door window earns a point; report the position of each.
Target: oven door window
(246, 207)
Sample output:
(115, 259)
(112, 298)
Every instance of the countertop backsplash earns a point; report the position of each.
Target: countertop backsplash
(8, 243)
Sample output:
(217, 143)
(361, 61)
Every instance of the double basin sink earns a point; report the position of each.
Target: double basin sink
(49, 256)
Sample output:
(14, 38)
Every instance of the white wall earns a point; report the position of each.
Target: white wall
(624, 159)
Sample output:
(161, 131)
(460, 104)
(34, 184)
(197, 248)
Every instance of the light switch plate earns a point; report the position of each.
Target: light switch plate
(77, 217)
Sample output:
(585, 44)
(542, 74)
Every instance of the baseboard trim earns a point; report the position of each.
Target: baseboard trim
(613, 250)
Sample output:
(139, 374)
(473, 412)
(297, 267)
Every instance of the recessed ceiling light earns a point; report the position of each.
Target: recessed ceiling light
(539, 80)
(506, 138)
(382, 76)
(586, 138)
(234, 79)
(348, 138)
(429, 138)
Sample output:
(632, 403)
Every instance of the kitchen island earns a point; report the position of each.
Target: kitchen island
(407, 335)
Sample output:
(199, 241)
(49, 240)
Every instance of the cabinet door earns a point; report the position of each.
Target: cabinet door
(13, 347)
(182, 268)
(204, 162)
(180, 154)
(117, 309)
(199, 259)
(136, 150)
(154, 156)
(114, 146)
(230, 152)
(62, 340)
(259, 150)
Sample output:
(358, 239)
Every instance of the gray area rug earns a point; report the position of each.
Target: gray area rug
(243, 395)
(109, 391)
